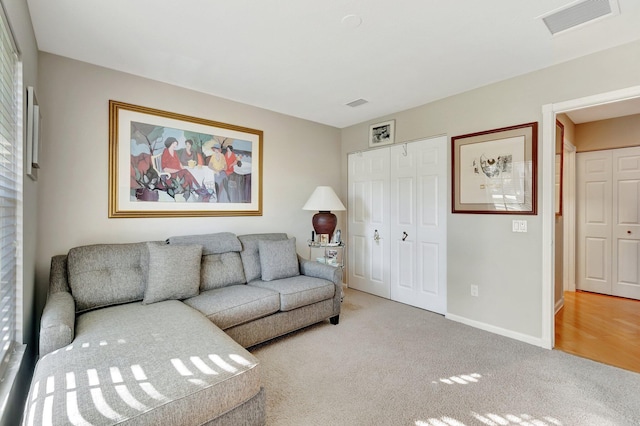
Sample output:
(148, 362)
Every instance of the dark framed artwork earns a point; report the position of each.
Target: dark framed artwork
(382, 133)
(495, 171)
(164, 164)
(559, 166)
(34, 134)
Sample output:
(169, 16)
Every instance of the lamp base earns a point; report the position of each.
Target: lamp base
(324, 223)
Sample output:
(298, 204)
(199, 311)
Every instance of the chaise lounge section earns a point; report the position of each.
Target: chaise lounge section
(155, 332)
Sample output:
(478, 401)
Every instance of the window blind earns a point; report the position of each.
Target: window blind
(10, 157)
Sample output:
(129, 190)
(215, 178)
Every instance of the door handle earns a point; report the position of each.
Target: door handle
(376, 236)
(404, 236)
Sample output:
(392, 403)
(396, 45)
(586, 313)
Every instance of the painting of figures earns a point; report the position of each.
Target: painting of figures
(181, 166)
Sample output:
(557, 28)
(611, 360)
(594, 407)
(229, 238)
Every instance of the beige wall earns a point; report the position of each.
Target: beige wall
(298, 155)
(569, 128)
(618, 132)
(482, 250)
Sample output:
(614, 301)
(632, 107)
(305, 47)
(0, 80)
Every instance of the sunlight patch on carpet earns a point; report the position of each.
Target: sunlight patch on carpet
(443, 421)
(491, 419)
(463, 379)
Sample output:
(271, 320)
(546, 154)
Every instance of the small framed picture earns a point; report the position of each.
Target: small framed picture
(332, 254)
(382, 133)
(324, 238)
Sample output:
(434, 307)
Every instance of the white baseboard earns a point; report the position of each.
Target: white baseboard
(536, 341)
(559, 305)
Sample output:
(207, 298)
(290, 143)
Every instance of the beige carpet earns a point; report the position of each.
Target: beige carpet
(391, 364)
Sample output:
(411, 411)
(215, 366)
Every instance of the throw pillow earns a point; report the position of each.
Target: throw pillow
(278, 259)
(174, 272)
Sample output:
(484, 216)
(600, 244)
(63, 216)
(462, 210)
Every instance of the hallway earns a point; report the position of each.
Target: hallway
(599, 327)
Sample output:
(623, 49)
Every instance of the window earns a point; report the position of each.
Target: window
(10, 186)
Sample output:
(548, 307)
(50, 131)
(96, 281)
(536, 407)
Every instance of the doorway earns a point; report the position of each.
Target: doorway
(607, 101)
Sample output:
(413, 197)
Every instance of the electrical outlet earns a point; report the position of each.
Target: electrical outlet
(474, 290)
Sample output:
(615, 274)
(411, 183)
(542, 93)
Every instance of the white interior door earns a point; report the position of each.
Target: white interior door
(368, 213)
(418, 234)
(625, 276)
(593, 246)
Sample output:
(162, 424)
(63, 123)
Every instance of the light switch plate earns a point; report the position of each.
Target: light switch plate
(519, 226)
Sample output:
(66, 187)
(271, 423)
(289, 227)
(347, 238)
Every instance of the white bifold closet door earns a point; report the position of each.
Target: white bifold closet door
(608, 241)
(397, 222)
(368, 213)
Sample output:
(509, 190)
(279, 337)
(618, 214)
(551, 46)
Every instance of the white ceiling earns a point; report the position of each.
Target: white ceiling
(299, 58)
(605, 111)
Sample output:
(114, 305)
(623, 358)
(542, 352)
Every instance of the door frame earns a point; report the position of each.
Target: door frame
(569, 218)
(549, 112)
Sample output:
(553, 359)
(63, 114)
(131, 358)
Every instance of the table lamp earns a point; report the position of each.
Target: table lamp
(324, 199)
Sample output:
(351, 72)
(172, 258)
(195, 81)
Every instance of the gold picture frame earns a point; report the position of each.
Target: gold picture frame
(164, 164)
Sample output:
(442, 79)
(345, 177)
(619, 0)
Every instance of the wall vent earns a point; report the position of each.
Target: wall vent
(579, 13)
(357, 102)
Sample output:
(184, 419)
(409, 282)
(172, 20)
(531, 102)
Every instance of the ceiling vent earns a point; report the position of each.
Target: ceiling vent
(579, 13)
(357, 102)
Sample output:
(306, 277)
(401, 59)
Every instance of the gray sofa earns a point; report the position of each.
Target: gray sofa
(155, 333)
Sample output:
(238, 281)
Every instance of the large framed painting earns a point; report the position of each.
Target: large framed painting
(164, 164)
(495, 171)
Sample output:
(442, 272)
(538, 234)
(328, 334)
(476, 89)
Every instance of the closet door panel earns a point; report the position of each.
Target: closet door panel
(594, 221)
(608, 219)
(625, 275)
(368, 222)
(418, 223)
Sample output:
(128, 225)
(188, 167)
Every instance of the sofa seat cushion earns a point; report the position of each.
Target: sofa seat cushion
(298, 291)
(233, 305)
(134, 364)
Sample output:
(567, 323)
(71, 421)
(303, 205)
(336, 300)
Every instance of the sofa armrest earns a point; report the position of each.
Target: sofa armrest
(57, 326)
(58, 276)
(315, 269)
(311, 268)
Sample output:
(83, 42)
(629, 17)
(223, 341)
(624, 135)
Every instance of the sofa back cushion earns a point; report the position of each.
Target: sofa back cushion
(217, 243)
(221, 270)
(174, 272)
(106, 274)
(221, 264)
(250, 253)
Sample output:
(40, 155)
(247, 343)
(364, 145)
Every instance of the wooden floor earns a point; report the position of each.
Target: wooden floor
(601, 328)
